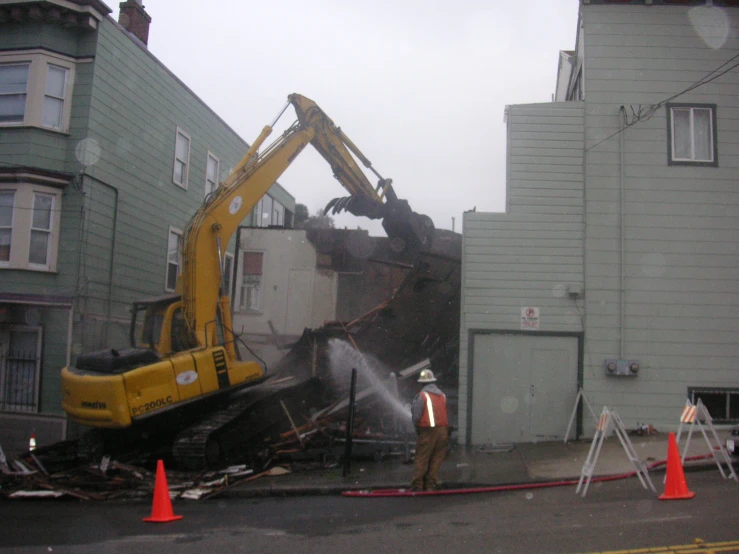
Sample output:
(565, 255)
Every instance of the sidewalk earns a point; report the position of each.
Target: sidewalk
(468, 467)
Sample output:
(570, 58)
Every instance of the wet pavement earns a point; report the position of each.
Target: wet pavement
(486, 466)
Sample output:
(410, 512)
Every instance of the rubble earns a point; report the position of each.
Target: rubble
(417, 328)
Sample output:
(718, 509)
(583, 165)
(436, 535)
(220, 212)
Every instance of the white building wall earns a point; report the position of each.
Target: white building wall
(295, 294)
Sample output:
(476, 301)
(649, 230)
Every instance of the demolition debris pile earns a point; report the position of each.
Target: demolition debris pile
(417, 327)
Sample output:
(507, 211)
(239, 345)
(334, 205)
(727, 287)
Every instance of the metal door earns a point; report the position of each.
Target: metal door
(523, 387)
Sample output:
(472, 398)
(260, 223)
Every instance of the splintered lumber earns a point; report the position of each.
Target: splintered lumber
(292, 423)
(415, 368)
(36, 494)
(76, 494)
(344, 403)
(234, 484)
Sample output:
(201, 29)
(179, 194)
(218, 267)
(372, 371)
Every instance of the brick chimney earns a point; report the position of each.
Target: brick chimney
(134, 19)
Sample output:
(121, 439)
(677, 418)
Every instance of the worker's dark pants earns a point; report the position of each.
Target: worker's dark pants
(431, 446)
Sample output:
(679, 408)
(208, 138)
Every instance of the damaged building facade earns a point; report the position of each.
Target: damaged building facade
(295, 290)
(104, 157)
(614, 268)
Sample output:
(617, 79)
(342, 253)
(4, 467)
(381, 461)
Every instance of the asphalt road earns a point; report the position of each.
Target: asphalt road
(617, 515)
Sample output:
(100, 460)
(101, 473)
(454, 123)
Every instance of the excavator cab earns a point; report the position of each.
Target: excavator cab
(163, 328)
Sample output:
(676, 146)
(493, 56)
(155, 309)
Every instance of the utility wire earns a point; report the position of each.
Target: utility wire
(644, 115)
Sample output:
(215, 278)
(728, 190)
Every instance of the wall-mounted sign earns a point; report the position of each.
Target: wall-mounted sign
(529, 319)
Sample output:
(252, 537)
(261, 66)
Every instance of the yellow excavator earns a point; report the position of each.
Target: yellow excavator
(183, 360)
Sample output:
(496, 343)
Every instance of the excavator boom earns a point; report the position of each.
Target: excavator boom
(187, 354)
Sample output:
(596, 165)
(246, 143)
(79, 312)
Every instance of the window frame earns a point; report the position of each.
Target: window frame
(63, 98)
(671, 160)
(173, 231)
(48, 231)
(186, 172)
(22, 63)
(22, 227)
(6, 263)
(243, 285)
(209, 157)
(39, 61)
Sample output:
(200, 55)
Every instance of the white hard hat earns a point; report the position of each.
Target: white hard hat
(426, 377)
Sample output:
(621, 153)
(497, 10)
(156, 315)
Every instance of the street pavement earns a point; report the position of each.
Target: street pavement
(493, 465)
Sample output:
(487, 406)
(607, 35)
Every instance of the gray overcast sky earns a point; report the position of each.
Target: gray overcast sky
(420, 86)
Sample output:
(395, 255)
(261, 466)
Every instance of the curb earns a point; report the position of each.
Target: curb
(279, 491)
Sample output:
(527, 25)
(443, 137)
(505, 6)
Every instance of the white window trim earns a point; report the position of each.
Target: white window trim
(239, 303)
(36, 88)
(20, 242)
(712, 134)
(218, 169)
(64, 98)
(187, 162)
(52, 219)
(180, 234)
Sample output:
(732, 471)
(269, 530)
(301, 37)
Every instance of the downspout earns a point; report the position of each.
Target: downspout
(111, 265)
(622, 276)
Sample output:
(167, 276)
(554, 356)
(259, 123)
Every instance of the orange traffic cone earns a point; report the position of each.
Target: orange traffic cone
(675, 486)
(161, 509)
(32, 443)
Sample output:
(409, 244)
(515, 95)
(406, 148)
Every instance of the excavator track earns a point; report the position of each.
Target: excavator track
(244, 427)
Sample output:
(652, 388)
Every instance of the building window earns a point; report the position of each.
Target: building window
(7, 199)
(41, 220)
(211, 174)
(34, 89)
(692, 134)
(256, 215)
(174, 258)
(13, 89)
(722, 403)
(29, 227)
(278, 214)
(251, 284)
(267, 204)
(54, 97)
(268, 211)
(20, 365)
(181, 158)
(228, 265)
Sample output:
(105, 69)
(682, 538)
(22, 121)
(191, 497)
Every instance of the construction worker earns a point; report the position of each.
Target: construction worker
(428, 412)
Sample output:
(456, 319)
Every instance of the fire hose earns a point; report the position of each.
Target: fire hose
(387, 493)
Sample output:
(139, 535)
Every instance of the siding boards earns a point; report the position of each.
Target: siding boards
(680, 223)
(134, 113)
(526, 257)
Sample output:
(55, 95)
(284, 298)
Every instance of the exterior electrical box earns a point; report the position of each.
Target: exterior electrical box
(621, 368)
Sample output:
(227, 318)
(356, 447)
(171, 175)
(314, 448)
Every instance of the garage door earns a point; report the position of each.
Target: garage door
(523, 387)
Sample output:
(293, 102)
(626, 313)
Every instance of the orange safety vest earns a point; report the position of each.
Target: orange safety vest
(434, 410)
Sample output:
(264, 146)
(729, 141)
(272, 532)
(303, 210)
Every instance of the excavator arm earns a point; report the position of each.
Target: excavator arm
(215, 222)
(187, 357)
(407, 229)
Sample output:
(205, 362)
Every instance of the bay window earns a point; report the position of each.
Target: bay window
(35, 87)
(29, 226)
